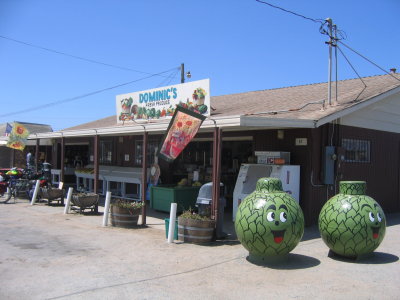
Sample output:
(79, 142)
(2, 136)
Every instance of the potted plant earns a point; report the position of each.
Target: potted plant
(125, 213)
(195, 228)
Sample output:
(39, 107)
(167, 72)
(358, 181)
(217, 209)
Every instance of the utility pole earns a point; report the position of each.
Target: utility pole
(329, 21)
(182, 73)
(335, 39)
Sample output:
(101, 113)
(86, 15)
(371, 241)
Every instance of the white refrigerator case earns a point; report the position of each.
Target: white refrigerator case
(250, 173)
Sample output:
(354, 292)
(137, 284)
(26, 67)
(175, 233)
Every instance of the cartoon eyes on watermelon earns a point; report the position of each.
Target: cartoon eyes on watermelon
(372, 217)
(282, 215)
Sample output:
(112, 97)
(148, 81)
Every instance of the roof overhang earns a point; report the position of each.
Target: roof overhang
(355, 107)
(138, 128)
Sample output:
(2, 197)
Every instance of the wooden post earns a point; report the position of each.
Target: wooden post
(62, 159)
(37, 153)
(12, 158)
(96, 160)
(144, 176)
(216, 176)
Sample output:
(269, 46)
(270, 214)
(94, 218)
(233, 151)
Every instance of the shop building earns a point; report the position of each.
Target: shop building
(41, 149)
(354, 136)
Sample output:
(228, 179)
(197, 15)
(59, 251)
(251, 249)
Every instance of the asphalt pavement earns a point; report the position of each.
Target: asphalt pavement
(48, 255)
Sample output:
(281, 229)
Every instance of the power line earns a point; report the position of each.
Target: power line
(292, 12)
(348, 61)
(77, 57)
(370, 61)
(166, 81)
(80, 97)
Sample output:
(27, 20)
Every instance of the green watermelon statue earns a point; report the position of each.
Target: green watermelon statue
(269, 222)
(352, 224)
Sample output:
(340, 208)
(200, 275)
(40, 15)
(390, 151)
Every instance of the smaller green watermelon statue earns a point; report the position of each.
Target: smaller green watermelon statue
(269, 222)
(352, 224)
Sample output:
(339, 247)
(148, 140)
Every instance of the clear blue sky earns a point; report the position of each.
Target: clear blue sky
(241, 45)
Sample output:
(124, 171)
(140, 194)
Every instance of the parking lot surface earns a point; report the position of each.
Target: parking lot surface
(48, 255)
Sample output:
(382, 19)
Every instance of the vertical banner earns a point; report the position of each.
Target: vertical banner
(18, 136)
(181, 130)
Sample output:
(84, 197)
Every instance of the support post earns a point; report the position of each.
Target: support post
(68, 203)
(96, 159)
(172, 218)
(62, 159)
(106, 209)
(37, 154)
(216, 181)
(144, 176)
(37, 187)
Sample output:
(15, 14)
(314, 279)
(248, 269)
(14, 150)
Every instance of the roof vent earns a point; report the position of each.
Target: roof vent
(393, 70)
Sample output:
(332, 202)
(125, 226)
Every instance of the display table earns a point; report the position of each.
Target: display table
(162, 196)
(108, 174)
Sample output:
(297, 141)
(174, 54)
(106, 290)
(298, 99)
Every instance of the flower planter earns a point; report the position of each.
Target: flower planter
(52, 194)
(85, 201)
(195, 231)
(124, 217)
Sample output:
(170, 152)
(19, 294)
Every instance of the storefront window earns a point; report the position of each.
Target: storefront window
(151, 148)
(105, 152)
(357, 151)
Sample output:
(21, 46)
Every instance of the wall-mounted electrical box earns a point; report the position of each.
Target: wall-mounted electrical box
(328, 165)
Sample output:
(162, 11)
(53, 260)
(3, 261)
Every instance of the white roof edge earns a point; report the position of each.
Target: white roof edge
(356, 107)
(251, 121)
(210, 122)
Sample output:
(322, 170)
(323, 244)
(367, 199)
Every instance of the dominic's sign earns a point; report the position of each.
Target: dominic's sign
(161, 102)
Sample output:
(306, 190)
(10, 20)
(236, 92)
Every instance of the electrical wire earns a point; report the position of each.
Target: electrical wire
(370, 61)
(348, 61)
(79, 97)
(78, 57)
(291, 12)
(167, 80)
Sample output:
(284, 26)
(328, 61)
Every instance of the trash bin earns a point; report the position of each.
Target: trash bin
(167, 228)
(203, 204)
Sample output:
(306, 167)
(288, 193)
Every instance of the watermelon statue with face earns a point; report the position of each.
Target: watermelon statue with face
(352, 224)
(269, 222)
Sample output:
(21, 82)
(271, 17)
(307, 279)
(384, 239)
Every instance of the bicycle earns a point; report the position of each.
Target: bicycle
(17, 186)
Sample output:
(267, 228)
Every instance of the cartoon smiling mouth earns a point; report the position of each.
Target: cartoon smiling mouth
(375, 232)
(278, 235)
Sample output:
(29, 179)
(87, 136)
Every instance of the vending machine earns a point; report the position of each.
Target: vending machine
(250, 173)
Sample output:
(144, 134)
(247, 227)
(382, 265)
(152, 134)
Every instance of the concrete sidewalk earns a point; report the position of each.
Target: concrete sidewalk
(48, 255)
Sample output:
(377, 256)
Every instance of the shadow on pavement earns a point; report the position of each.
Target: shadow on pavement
(374, 258)
(290, 261)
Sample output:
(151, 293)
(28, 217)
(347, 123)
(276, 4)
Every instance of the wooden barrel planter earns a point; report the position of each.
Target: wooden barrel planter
(124, 217)
(195, 231)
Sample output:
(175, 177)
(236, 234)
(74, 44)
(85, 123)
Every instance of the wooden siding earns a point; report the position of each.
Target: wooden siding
(384, 116)
(382, 173)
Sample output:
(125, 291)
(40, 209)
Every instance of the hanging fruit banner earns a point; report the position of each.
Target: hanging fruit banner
(18, 137)
(161, 103)
(181, 130)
